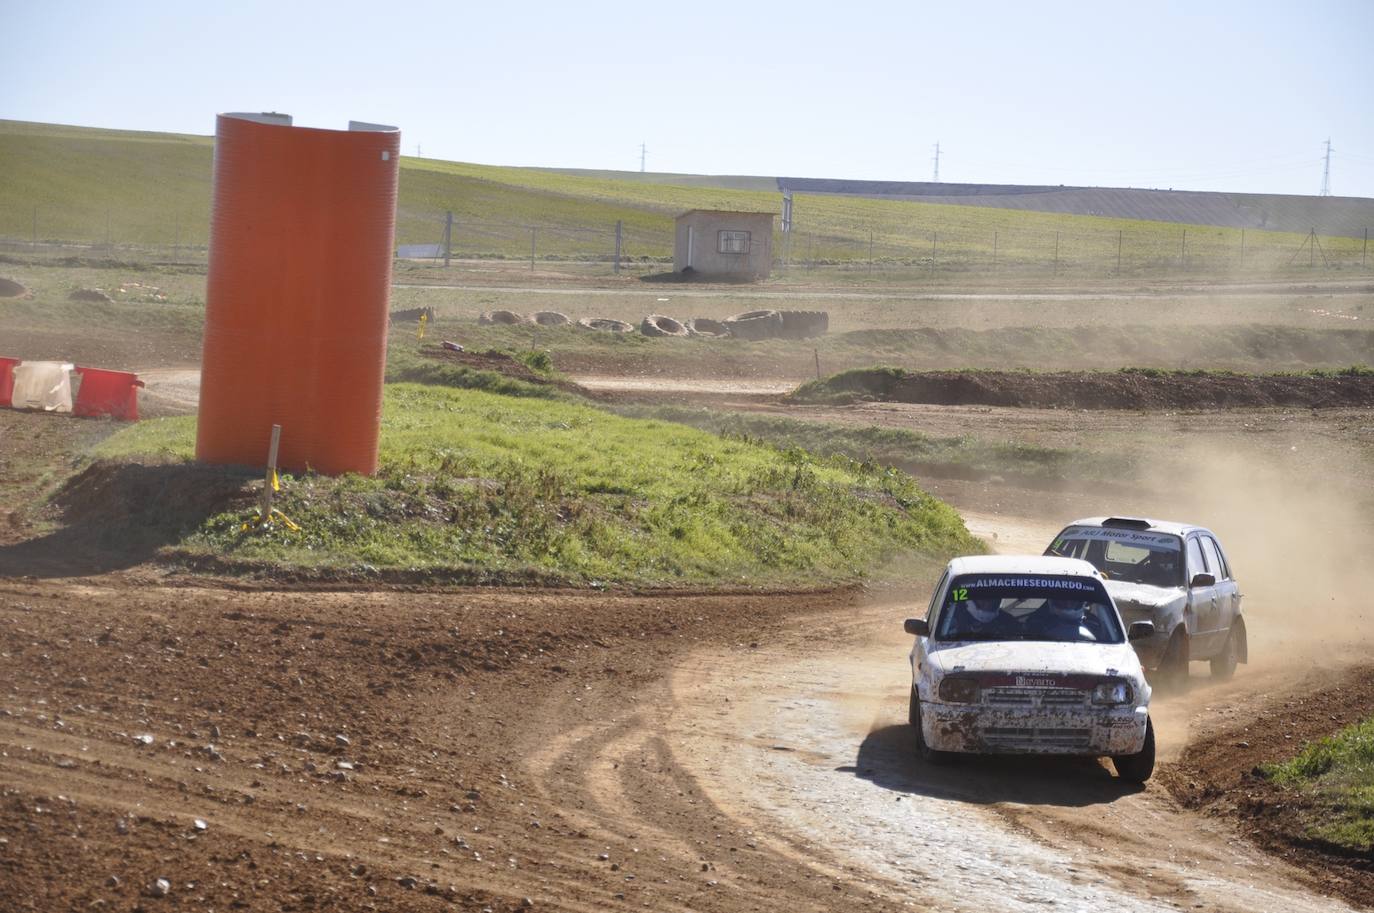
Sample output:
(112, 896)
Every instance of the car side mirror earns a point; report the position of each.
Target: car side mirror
(917, 627)
(1140, 630)
(1203, 579)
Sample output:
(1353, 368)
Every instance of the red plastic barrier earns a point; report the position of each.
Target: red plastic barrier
(7, 380)
(112, 393)
(296, 297)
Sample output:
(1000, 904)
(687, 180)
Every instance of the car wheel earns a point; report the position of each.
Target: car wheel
(1224, 663)
(1138, 767)
(1173, 666)
(928, 754)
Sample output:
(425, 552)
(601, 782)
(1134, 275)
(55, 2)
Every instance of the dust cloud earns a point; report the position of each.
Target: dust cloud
(1295, 524)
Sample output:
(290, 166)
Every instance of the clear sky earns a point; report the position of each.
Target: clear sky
(1192, 95)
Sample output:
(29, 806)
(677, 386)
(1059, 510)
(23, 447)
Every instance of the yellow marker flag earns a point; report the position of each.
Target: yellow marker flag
(424, 319)
(276, 483)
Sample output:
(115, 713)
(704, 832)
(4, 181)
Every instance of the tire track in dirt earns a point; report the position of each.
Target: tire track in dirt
(1005, 833)
(831, 758)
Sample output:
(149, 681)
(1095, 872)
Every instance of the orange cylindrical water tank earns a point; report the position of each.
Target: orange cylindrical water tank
(301, 239)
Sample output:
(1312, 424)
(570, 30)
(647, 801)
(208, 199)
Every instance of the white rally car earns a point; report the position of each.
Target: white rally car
(1028, 655)
(1175, 575)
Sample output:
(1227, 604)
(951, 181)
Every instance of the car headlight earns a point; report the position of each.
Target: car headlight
(959, 690)
(1113, 693)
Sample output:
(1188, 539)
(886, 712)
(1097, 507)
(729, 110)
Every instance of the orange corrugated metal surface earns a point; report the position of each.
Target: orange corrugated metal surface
(296, 304)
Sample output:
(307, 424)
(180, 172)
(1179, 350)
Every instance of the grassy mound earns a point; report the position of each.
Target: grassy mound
(491, 372)
(484, 487)
(957, 457)
(1337, 774)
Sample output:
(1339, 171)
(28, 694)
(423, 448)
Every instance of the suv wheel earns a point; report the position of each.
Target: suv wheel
(1224, 663)
(1173, 666)
(1138, 767)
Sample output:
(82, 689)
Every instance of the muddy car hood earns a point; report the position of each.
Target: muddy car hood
(1143, 594)
(1036, 657)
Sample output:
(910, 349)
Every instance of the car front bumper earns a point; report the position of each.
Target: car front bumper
(1078, 731)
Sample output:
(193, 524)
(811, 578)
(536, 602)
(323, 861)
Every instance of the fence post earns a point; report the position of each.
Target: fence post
(176, 239)
(34, 243)
(532, 230)
(107, 229)
(994, 250)
(448, 237)
(870, 252)
(619, 227)
(934, 237)
(1183, 251)
(1364, 254)
(1119, 234)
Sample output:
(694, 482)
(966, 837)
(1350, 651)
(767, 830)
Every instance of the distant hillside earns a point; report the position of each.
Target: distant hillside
(152, 190)
(1347, 216)
(674, 179)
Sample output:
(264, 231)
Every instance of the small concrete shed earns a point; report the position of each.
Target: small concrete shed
(724, 245)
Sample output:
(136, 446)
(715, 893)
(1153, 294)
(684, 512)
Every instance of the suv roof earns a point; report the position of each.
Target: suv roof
(1022, 564)
(1142, 523)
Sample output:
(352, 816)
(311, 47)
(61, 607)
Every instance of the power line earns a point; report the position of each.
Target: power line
(1326, 171)
(642, 153)
(937, 162)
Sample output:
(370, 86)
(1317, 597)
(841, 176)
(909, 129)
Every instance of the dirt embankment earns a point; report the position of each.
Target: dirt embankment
(1127, 389)
(1220, 773)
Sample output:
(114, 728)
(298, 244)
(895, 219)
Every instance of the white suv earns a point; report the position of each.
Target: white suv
(1174, 575)
(1028, 655)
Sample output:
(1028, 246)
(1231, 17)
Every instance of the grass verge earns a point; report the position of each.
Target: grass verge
(506, 488)
(1337, 773)
(911, 451)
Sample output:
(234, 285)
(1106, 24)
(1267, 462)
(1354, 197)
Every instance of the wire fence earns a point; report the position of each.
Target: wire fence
(895, 250)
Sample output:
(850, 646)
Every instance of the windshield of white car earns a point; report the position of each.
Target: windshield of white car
(1028, 607)
(1133, 556)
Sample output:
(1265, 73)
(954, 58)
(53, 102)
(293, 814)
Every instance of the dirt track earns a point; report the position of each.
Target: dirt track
(720, 752)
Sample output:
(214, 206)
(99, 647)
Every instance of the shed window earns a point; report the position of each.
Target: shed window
(734, 242)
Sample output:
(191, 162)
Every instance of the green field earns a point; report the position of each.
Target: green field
(128, 190)
(493, 488)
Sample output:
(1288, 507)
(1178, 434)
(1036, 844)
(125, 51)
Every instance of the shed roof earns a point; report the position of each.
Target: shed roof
(728, 212)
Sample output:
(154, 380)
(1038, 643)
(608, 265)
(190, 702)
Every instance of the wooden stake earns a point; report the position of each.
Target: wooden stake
(265, 509)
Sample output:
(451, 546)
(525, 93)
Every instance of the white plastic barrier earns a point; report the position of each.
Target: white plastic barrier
(45, 385)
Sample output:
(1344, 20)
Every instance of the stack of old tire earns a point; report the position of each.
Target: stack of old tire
(770, 324)
(501, 318)
(705, 326)
(659, 325)
(604, 324)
